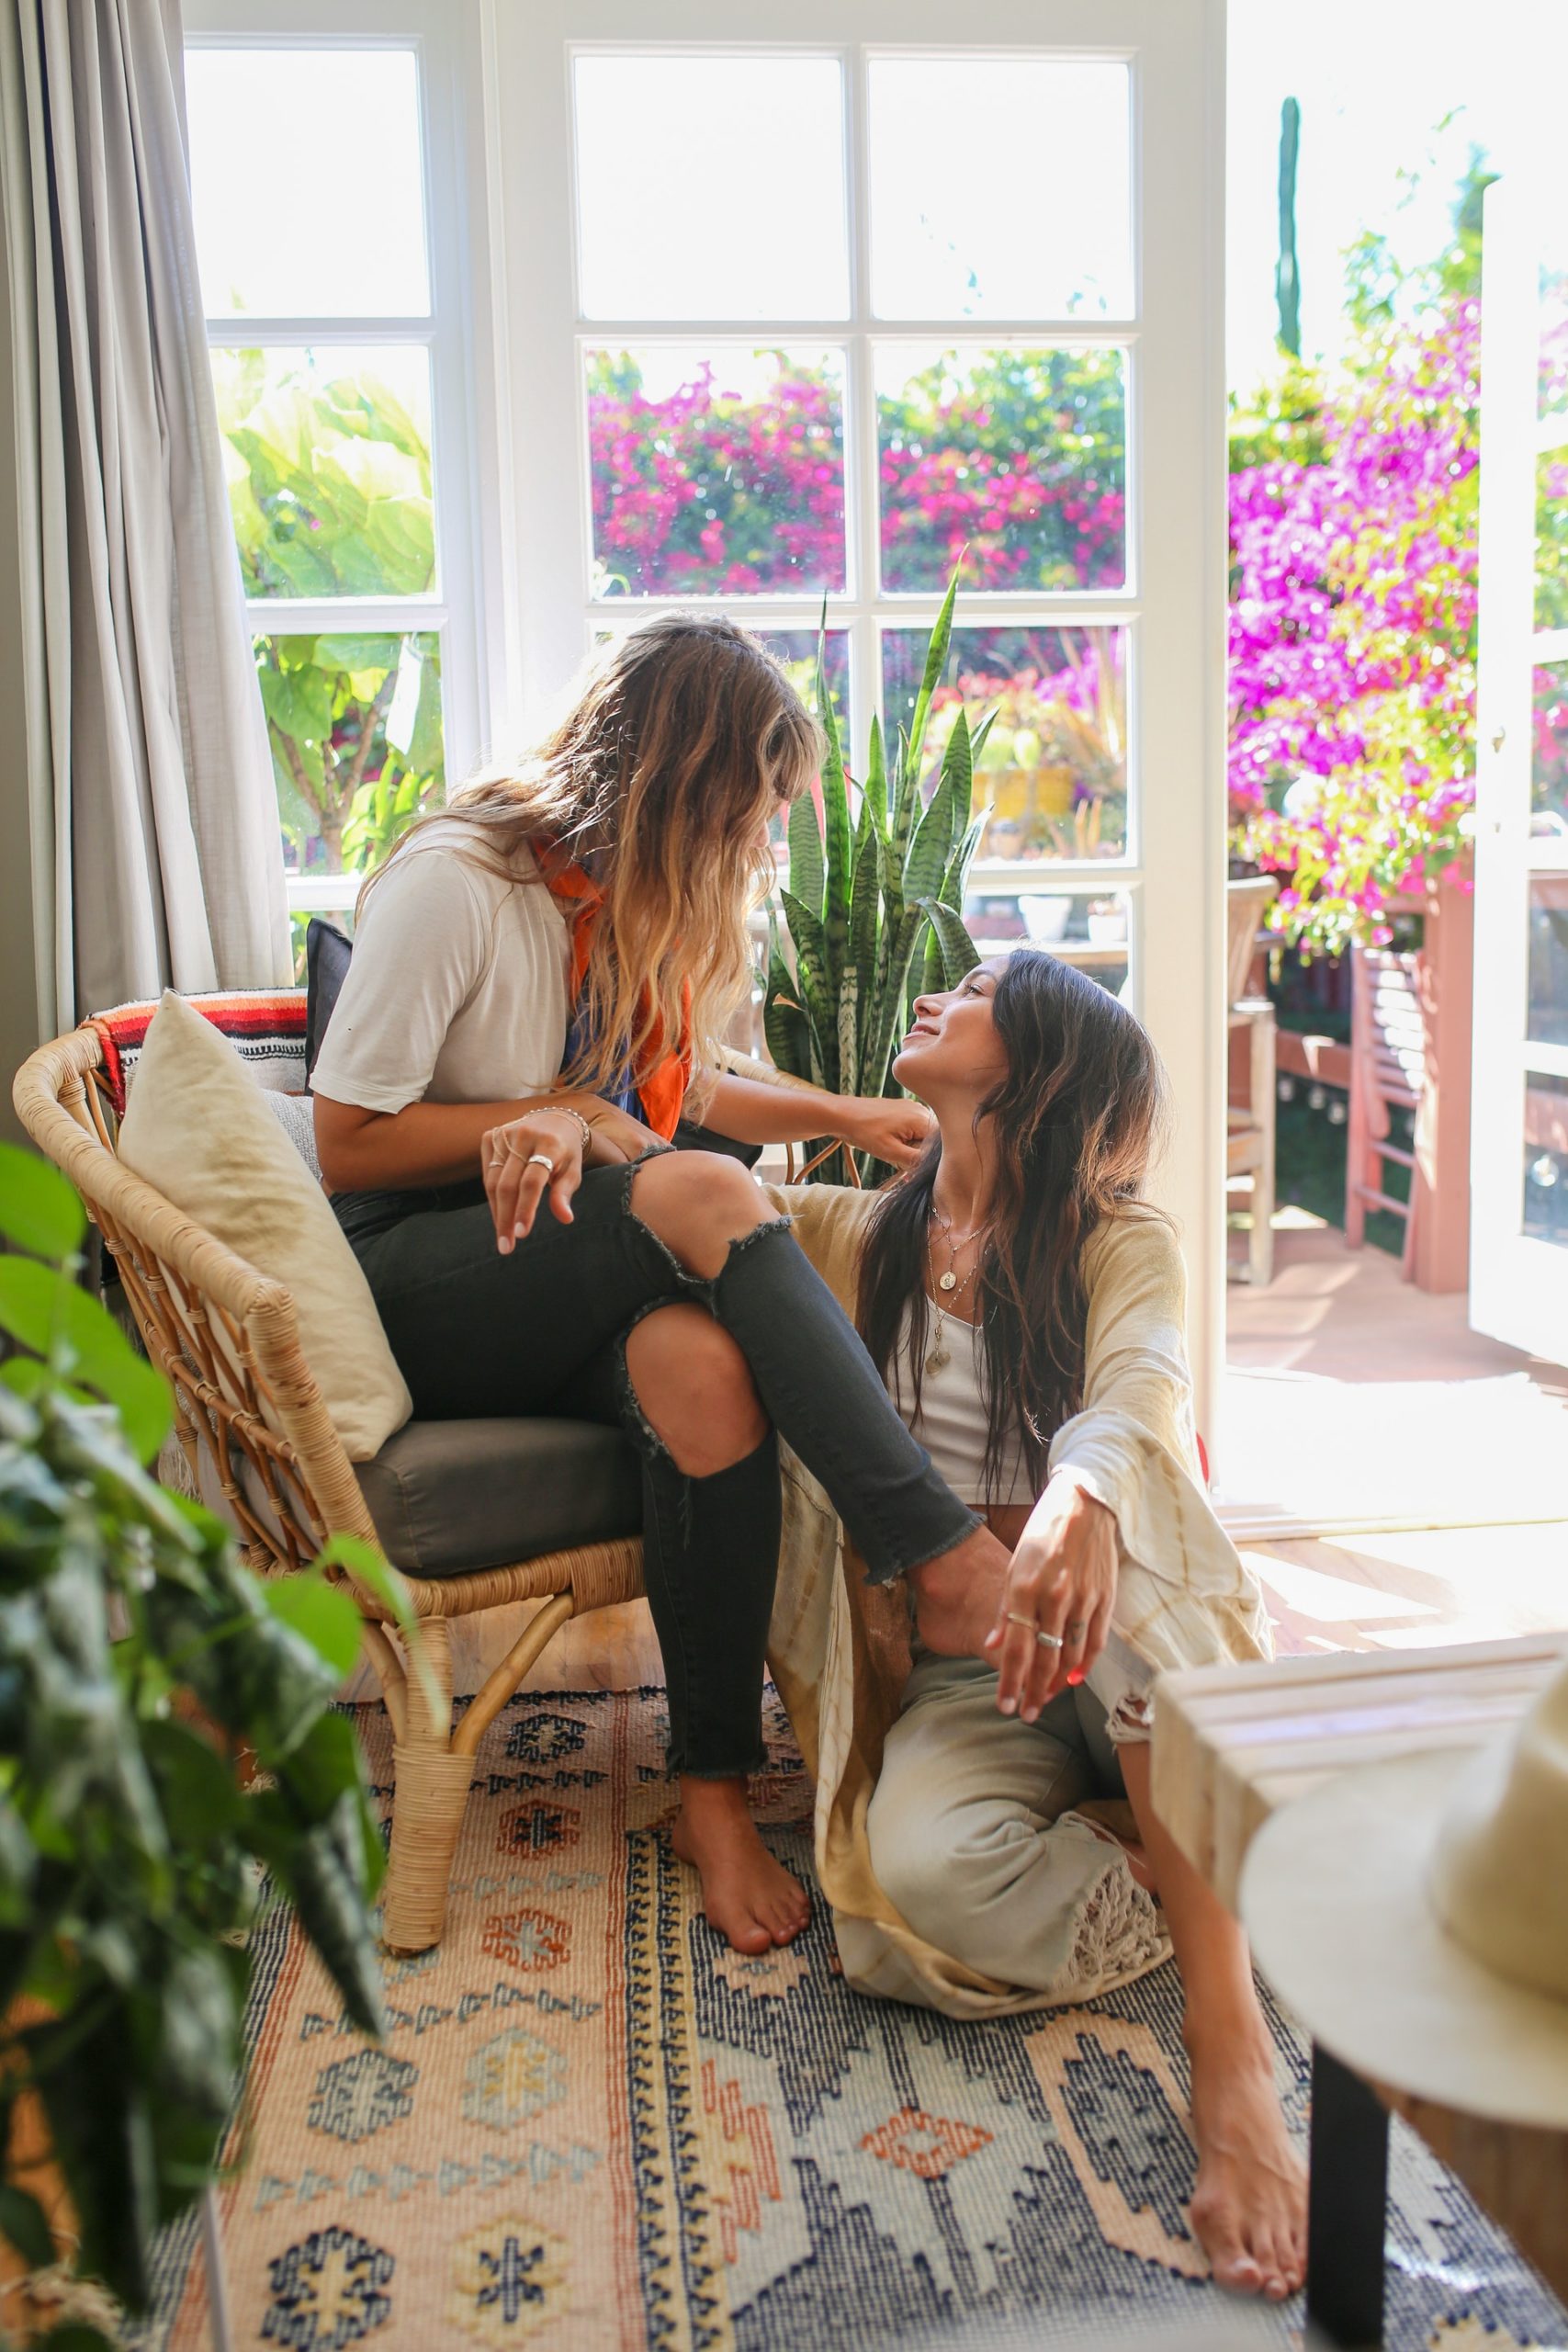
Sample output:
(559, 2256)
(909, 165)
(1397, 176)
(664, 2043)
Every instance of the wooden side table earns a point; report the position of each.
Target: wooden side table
(1233, 1744)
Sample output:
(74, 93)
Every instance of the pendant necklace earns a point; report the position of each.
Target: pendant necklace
(949, 1281)
(939, 1356)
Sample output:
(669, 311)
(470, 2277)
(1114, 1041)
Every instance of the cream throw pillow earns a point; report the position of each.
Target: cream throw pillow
(198, 1129)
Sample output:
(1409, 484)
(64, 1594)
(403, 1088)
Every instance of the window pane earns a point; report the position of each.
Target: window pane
(307, 182)
(328, 464)
(1001, 188)
(796, 649)
(1549, 792)
(354, 724)
(1548, 1021)
(1018, 458)
(711, 187)
(1086, 928)
(1053, 769)
(719, 475)
(1546, 1159)
(1552, 375)
(1552, 537)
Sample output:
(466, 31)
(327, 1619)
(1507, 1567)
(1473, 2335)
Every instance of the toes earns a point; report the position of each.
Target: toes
(744, 1935)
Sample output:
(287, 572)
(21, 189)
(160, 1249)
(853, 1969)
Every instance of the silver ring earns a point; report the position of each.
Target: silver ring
(1046, 1641)
(537, 1160)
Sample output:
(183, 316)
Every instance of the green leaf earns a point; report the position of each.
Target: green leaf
(810, 958)
(836, 826)
(864, 912)
(805, 867)
(39, 1210)
(931, 847)
(936, 657)
(368, 1567)
(876, 778)
(322, 1615)
(50, 1314)
(958, 768)
(23, 2222)
(784, 1025)
(958, 951)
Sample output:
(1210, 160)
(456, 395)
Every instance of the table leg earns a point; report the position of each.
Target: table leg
(1346, 2198)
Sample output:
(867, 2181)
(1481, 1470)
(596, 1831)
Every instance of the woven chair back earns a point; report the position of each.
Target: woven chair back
(257, 1440)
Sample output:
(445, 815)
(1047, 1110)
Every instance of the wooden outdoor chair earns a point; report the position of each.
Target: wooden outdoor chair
(474, 1514)
(1388, 1070)
(1249, 1126)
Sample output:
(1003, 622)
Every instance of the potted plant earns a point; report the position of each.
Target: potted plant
(864, 900)
(137, 1658)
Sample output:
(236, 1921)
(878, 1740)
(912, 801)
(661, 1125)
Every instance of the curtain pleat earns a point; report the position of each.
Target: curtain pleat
(165, 817)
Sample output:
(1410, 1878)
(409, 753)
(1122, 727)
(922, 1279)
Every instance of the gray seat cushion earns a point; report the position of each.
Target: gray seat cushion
(447, 1497)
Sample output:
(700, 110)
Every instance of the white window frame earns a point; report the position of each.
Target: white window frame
(1174, 870)
(1518, 1285)
(442, 38)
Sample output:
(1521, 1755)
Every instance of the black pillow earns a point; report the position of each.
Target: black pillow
(327, 952)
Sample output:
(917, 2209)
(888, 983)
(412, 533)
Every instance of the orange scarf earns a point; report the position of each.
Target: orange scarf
(657, 1097)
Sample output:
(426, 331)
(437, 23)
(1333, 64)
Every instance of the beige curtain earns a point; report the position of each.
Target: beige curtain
(155, 776)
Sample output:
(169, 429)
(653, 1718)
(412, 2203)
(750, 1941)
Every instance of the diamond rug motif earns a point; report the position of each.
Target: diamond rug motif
(593, 2126)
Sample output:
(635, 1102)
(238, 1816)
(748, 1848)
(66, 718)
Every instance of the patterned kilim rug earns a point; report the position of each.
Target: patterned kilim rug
(592, 2125)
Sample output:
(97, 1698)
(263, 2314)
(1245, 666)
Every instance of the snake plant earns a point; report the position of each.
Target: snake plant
(873, 902)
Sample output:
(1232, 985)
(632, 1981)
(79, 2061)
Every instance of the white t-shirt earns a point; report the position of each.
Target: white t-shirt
(459, 986)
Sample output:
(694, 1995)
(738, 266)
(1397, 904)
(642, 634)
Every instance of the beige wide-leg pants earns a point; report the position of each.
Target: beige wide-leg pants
(974, 1836)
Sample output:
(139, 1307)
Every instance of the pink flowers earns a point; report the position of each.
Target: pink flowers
(1017, 459)
(1352, 636)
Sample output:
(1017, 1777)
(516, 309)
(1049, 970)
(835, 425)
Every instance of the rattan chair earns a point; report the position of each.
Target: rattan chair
(259, 1444)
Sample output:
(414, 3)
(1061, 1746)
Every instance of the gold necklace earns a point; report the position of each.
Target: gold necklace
(949, 1281)
(938, 1355)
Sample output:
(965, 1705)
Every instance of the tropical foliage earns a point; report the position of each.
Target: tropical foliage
(137, 1658)
(330, 489)
(867, 896)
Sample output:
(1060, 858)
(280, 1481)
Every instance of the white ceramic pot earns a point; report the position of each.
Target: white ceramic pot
(1044, 917)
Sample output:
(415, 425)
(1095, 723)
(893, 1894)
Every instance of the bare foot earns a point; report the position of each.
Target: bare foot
(956, 1595)
(1249, 2207)
(747, 1896)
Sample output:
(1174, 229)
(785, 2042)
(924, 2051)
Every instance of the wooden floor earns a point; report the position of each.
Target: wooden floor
(1349, 1397)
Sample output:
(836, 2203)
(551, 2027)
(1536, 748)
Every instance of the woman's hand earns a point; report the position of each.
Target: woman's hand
(1062, 1581)
(522, 1160)
(893, 1130)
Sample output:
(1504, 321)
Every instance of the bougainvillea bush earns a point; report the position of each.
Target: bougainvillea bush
(1352, 634)
(1354, 542)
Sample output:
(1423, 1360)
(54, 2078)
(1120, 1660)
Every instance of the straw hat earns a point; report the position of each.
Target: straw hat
(1415, 1915)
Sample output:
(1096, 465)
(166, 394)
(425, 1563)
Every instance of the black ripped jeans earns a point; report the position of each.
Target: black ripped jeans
(544, 1331)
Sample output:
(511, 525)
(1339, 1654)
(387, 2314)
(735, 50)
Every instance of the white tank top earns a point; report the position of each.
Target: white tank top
(951, 1422)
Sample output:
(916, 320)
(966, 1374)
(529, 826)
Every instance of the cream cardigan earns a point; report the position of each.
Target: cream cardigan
(840, 1649)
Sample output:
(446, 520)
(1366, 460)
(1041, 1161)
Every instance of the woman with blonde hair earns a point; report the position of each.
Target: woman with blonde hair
(539, 975)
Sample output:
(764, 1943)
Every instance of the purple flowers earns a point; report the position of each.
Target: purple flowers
(1352, 636)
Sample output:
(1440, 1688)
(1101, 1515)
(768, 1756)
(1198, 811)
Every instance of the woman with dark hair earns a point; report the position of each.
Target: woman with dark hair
(1024, 1303)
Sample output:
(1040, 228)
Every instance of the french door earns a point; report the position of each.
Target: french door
(1519, 1131)
(802, 308)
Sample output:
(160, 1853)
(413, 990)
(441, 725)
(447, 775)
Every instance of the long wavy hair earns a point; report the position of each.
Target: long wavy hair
(657, 781)
(1074, 1121)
